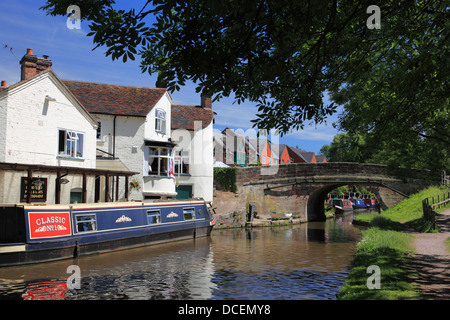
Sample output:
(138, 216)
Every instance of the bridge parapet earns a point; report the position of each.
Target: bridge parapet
(326, 169)
(302, 188)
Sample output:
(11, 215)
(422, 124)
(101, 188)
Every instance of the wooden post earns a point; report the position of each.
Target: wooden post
(106, 188)
(83, 190)
(30, 175)
(117, 188)
(126, 188)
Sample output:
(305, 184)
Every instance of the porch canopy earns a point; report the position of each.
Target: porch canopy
(107, 168)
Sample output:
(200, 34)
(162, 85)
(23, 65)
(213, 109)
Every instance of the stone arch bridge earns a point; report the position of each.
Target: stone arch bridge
(302, 188)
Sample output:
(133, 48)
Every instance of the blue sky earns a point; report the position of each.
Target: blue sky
(24, 26)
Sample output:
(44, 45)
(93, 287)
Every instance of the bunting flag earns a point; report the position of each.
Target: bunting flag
(171, 174)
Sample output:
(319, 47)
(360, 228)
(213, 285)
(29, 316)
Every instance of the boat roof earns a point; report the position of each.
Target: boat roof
(100, 205)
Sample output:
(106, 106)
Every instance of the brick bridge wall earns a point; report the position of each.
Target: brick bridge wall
(302, 188)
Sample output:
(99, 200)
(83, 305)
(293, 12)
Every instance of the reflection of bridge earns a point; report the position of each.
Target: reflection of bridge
(302, 188)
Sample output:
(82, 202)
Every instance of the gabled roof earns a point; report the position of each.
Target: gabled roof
(305, 155)
(184, 116)
(115, 99)
(49, 73)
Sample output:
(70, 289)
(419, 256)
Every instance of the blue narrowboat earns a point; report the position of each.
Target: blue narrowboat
(359, 204)
(33, 233)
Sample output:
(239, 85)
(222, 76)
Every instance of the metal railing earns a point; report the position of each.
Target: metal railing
(429, 205)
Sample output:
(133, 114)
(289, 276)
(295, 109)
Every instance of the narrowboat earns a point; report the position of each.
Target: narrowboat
(359, 204)
(371, 203)
(40, 233)
(341, 205)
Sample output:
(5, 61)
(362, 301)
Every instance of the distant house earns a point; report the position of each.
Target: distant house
(266, 151)
(284, 154)
(321, 159)
(235, 148)
(295, 155)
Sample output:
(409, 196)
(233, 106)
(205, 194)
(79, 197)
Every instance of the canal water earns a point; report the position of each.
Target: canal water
(297, 262)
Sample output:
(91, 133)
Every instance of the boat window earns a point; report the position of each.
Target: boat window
(153, 216)
(189, 213)
(87, 222)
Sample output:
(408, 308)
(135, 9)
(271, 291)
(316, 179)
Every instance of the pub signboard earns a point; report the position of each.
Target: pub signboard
(37, 187)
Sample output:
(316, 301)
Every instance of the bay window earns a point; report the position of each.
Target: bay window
(160, 161)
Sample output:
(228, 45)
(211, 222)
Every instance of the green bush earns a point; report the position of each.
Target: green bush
(225, 178)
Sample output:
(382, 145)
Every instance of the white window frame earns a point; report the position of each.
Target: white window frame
(159, 156)
(71, 144)
(160, 121)
(181, 158)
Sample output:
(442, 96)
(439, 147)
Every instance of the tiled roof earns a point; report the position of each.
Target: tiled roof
(115, 99)
(184, 116)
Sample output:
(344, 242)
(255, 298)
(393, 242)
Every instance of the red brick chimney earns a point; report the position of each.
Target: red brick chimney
(205, 98)
(4, 85)
(31, 65)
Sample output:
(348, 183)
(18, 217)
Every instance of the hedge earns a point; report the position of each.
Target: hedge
(225, 178)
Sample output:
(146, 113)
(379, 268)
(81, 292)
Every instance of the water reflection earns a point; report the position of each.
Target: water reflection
(308, 261)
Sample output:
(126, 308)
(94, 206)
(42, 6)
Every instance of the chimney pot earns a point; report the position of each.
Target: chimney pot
(31, 65)
(4, 85)
(205, 99)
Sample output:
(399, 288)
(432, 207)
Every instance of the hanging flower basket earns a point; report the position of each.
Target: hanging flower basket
(134, 184)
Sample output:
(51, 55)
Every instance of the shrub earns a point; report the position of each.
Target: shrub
(225, 178)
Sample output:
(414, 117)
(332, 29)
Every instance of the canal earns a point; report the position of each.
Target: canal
(297, 262)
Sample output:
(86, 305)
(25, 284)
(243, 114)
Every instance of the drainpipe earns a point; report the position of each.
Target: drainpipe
(114, 153)
(114, 138)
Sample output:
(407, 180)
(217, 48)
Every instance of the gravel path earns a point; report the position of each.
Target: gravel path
(432, 260)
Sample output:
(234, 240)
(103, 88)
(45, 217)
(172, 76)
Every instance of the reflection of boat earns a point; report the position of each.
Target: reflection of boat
(341, 205)
(30, 234)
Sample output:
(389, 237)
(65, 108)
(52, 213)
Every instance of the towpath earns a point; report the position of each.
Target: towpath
(432, 260)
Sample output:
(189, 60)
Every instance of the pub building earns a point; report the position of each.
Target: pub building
(48, 144)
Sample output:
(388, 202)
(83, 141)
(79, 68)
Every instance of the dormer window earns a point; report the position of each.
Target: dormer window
(160, 121)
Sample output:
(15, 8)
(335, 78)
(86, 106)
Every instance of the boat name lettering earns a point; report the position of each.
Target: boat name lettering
(123, 218)
(52, 219)
(172, 215)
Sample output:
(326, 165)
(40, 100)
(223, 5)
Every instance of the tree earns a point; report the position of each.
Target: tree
(345, 148)
(283, 55)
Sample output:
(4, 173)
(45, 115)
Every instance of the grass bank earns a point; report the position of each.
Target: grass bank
(407, 212)
(384, 245)
(389, 251)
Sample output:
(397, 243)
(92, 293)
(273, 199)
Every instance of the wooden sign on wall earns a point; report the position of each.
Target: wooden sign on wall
(37, 187)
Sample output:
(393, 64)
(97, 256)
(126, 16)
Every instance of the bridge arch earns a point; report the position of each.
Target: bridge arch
(315, 209)
(303, 188)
